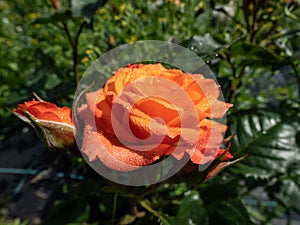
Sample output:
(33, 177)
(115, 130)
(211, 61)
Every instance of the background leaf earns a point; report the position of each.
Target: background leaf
(270, 142)
(256, 56)
(70, 211)
(59, 16)
(204, 46)
(230, 212)
(87, 9)
(191, 211)
(290, 187)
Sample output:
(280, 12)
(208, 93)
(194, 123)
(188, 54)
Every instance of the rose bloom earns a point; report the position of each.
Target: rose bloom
(52, 123)
(124, 100)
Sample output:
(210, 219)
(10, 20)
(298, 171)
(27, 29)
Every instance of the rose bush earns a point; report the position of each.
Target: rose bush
(52, 124)
(128, 98)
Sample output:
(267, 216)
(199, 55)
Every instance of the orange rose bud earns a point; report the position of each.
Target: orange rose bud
(125, 99)
(51, 123)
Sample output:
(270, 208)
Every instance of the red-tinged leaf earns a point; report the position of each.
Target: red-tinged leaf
(222, 166)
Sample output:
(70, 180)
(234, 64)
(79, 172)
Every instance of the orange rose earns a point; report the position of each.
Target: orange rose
(51, 123)
(125, 115)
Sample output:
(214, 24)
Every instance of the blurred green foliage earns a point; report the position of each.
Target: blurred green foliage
(253, 48)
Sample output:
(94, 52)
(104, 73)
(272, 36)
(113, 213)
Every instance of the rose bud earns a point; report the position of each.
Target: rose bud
(52, 124)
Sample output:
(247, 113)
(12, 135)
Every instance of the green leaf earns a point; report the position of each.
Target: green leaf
(291, 191)
(191, 211)
(58, 16)
(230, 212)
(13, 66)
(164, 219)
(86, 9)
(67, 212)
(203, 46)
(256, 56)
(291, 187)
(211, 193)
(270, 142)
(13, 80)
(256, 215)
(52, 81)
(127, 219)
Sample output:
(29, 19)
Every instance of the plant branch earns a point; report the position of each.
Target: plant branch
(75, 52)
(68, 33)
(254, 26)
(73, 42)
(235, 85)
(297, 75)
(114, 208)
(147, 205)
(229, 16)
(134, 210)
(74, 45)
(228, 59)
(245, 7)
(55, 4)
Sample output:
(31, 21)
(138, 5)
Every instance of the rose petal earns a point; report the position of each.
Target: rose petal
(101, 109)
(156, 107)
(114, 154)
(46, 111)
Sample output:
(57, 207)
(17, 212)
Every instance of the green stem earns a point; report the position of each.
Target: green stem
(245, 7)
(297, 74)
(254, 26)
(235, 86)
(150, 190)
(230, 17)
(75, 52)
(134, 209)
(74, 45)
(147, 205)
(68, 33)
(73, 42)
(227, 46)
(114, 208)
